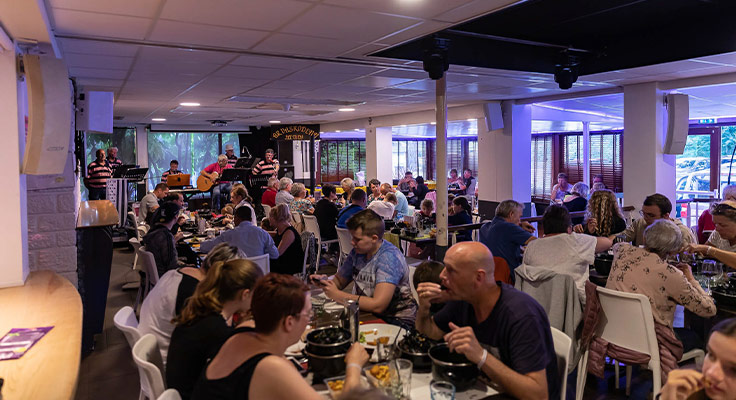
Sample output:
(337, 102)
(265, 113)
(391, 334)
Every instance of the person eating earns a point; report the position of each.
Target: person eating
(603, 216)
(402, 205)
(375, 187)
(655, 207)
(357, 204)
(561, 189)
(250, 239)
(506, 233)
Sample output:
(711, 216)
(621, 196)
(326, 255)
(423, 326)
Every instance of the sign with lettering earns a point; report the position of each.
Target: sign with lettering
(295, 132)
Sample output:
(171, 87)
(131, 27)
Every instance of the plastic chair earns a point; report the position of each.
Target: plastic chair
(312, 225)
(263, 261)
(563, 345)
(169, 394)
(147, 357)
(126, 321)
(136, 244)
(307, 241)
(502, 272)
(266, 209)
(345, 239)
(297, 221)
(150, 274)
(414, 293)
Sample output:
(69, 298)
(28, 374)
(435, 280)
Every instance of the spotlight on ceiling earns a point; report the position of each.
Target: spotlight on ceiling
(218, 122)
(435, 59)
(566, 72)
(346, 109)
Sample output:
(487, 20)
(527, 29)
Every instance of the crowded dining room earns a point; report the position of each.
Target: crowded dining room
(375, 200)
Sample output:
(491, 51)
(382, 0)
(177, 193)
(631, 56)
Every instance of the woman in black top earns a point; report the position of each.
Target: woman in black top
(159, 239)
(251, 365)
(204, 324)
(577, 201)
(291, 255)
(461, 216)
(420, 192)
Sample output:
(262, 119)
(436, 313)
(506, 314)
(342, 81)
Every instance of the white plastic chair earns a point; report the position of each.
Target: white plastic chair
(147, 357)
(296, 219)
(126, 321)
(263, 262)
(169, 394)
(307, 240)
(312, 225)
(563, 346)
(266, 209)
(345, 239)
(136, 244)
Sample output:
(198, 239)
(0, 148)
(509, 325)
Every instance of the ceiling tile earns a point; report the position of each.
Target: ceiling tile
(81, 72)
(305, 45)
(100, 25)
(373, 81)
(473, 9)
(239, 71)
(401, 73)
(205, 35)
(98, 48)
(411, 33)
(173, 67)
(92, 61)
(272, 62)
(184, 55)
(99, 82)
(135, 8)
(266, 15)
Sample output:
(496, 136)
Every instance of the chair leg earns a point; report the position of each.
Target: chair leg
(628, 380)
(582, 376)
(615, 369)
(142, 396)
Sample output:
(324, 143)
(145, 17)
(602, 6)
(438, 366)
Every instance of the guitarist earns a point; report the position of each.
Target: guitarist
(221, 189)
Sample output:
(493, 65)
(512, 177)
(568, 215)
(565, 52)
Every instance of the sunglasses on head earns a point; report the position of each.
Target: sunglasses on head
(723, 207)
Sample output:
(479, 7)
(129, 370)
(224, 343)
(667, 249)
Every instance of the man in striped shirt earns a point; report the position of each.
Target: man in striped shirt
(97, 175)
(231, 157)
(269, 166)
(173, 170)
(112, 158)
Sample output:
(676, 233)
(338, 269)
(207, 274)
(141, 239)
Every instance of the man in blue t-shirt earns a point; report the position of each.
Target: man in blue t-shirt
(502, 330)
(379, 271)
(505, 234)
(357, 204)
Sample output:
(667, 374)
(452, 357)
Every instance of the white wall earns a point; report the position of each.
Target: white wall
(379, 154)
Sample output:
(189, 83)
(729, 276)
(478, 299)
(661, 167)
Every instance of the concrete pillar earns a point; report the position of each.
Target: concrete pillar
(141, 145)
(586, 153)
(14, 246)
(646, 169)
(504, 156)
(378, 153)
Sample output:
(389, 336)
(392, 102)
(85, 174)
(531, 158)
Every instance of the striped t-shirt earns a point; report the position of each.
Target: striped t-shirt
(231, 160)
(169, 172)
(98, 174)
(114, 163)
(266, 168)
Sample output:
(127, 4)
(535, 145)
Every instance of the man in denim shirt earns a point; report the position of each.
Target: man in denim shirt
(379, 271)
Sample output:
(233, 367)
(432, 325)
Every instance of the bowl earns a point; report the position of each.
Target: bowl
(328, 341)
(335, 393)
(325, 366)
(724, 299)
(452, 367)
(603, 263)
(420, 361)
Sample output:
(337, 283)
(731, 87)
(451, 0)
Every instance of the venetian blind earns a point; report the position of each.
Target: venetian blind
(541, 166)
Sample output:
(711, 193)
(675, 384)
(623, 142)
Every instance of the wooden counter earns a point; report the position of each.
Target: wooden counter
(50, 368)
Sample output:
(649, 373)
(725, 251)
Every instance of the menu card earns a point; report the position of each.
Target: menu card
(19, 340)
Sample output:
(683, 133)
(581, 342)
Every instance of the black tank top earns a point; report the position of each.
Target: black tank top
(231, 387)
(292, 261)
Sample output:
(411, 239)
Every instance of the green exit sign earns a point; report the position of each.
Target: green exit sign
(707, 121)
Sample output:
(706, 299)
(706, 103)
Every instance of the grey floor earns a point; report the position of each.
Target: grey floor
(110, 374)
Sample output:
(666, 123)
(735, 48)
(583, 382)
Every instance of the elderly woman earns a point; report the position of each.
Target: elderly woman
(705, 222)
(348, 186)
(577, 200)
(287, 239)
(375, 190)
(645, 271)
(301, 203)
(283, 196)
(603, 216)
(561, 189)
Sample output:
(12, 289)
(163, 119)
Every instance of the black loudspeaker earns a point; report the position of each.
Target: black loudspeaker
(678, 119)
(494, 116)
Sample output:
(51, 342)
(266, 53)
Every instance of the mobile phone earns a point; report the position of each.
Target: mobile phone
(299, 367)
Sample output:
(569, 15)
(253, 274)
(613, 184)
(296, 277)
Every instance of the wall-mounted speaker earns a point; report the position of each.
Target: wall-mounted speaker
(678, 116)
(49, 115)
(94, 111)
(494, 116)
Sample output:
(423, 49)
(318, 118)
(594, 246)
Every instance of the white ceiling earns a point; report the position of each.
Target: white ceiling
(304, 50)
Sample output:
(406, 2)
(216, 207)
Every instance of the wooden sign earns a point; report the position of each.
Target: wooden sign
(295, 132)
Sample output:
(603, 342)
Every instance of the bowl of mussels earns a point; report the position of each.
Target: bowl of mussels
(725, 294)
(415, 348)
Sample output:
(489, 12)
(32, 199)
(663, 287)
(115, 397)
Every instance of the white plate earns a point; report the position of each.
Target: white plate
(186, 234)
(374, 331)
(295, 349)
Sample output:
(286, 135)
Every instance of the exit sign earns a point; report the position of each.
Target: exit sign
(707, 121)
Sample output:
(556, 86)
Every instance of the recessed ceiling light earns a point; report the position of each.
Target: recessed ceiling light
(274, 122)
(403, 126)
(346, 109)
(433, 123)
(158, 119)
(357, 130)
(321, 133)
(189, 104)
(471, 119)
(337, 131)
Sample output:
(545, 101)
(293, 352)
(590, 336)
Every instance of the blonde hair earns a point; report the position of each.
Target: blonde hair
(603, 206)
(297, 189)
(221, 157)
(224, 281)
(280, 213)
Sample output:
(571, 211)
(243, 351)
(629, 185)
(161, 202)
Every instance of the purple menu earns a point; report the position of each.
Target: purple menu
(19, 340)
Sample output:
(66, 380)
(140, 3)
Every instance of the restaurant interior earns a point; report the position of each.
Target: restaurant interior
(188, 186)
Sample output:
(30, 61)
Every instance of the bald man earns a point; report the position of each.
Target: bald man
(502, 330)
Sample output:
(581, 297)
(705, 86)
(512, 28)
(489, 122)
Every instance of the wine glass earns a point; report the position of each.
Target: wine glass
(713, 273)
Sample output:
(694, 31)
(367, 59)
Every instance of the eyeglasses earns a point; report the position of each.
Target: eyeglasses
(309, 314)
(647, 215)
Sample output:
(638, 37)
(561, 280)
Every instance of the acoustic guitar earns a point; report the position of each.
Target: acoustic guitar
(204, 184)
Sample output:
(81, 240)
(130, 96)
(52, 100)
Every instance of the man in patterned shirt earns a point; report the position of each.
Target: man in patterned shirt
(269, 166)
(98, 173)
(112, 158)
(231, 157)
(173, 170)
(379, 271)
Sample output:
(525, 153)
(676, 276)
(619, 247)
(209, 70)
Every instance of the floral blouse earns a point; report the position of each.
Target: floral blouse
(636, 270)
(301, 205)
(372, 199)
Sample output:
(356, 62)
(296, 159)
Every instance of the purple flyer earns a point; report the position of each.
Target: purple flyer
(19, 340)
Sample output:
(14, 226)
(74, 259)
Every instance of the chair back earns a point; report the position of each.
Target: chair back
(312, 225)
(345, 240)
(296, 219)
(502, 271)
(147, 357)
(126, 321)
(169, 394)
(147, 263)
(414, 293)
(266, 209)
(310, 253)
(262, 261)
(563, 346)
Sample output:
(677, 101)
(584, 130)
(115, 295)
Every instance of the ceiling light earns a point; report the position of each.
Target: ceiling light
(433, 123)
(158, 119)
(189, 104)
(274, 122)
(357, 130)
(346, 109)
(471, 119)
(403, 126)
(337, 131)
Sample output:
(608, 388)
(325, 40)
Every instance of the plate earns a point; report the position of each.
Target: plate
(374, 331)
(186, 234)
(295, 349)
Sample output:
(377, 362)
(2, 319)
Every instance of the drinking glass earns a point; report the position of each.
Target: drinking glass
(405, 368)
(442, 390)
(710, 270)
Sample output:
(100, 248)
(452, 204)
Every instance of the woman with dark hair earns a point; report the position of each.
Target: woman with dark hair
(159, 239)
(461, 215)
(374, 186)
(287, 239)
(717, 380)
(205, 322)
(420, 191)
(251, 365)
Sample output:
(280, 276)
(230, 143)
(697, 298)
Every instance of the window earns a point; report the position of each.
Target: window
(692, 171)
(122, 138)
(340, 159)
(542, 161)
(194, 151)
(409, 155)
(728, 143)
(461, 154)
(605, 158)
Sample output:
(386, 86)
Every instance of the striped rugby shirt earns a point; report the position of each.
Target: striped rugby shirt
(169, 172)
(98, 174)
(266, 168)
(231, 160)
(113, 163)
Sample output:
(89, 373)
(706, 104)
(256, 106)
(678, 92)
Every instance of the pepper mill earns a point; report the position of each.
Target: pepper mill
(350, 319)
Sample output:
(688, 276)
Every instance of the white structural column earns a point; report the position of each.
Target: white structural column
(441, 162)
(14, 246)
(504, 156)
(646, 169)
(586, 153)
(378, 153)
(141, 145)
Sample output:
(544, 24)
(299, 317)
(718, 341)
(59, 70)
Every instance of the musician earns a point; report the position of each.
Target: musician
(98, 172)
(112, 158)
(269, 166)
(231, 157)
(173, 170)
(221, 190)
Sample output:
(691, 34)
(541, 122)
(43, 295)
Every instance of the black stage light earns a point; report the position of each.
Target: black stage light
(566, 72)
(435, 59)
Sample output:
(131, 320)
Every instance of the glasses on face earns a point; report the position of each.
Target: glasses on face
(648, 215)
(308, 314)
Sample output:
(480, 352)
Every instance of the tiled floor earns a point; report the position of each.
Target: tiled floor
(110, 374)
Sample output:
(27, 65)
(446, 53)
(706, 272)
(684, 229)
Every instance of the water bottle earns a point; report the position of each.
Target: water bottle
(350, 319)
(201, 226)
